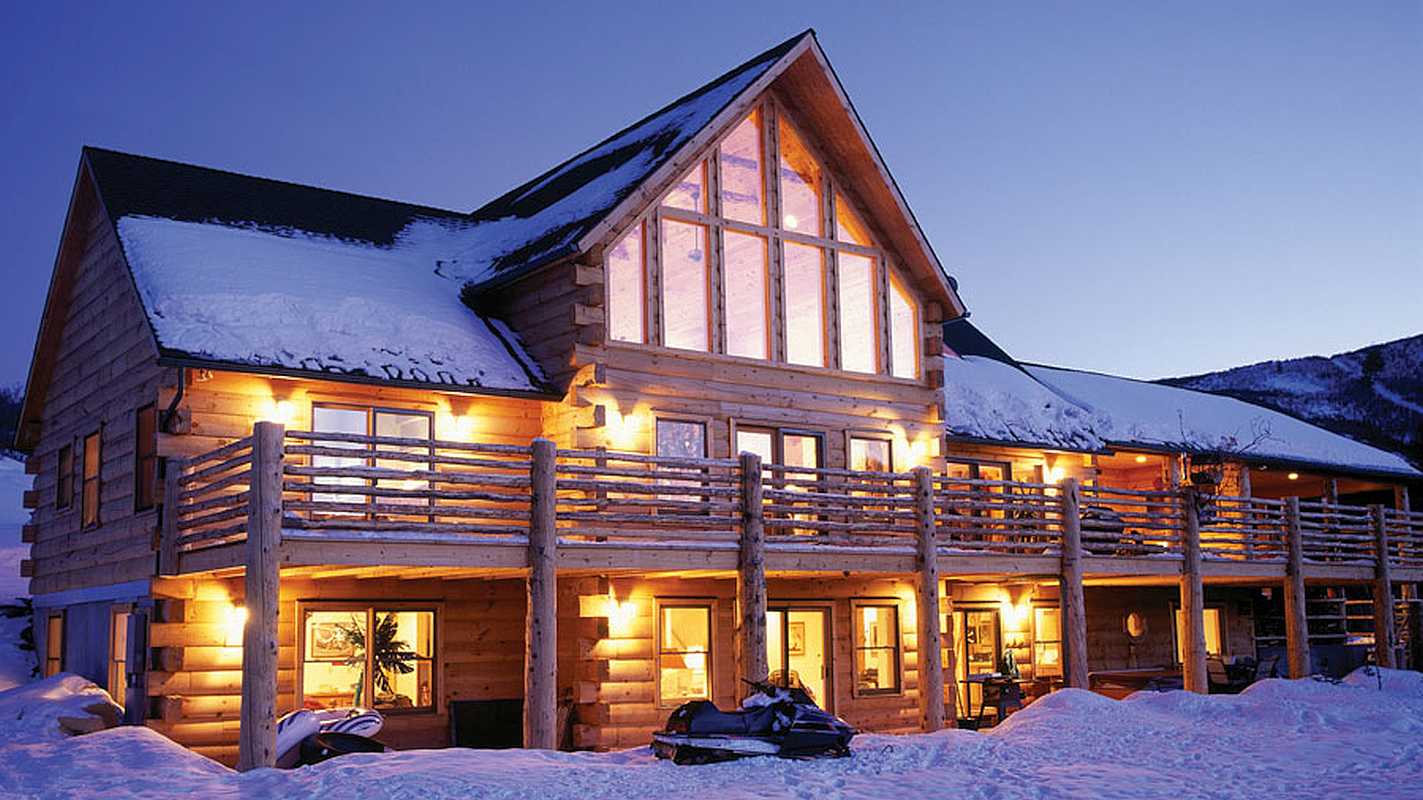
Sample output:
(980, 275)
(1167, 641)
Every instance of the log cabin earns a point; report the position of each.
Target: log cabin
(698, 404)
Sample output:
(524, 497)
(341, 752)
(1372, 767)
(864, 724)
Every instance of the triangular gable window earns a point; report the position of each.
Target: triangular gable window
(731, 235)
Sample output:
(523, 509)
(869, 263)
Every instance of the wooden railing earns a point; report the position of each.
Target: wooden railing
(390, 488)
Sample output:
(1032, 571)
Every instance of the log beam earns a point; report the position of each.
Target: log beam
(541, 638)
(1385, 636)
(1073, 602)
(257, 737)
(751, 663)
(931, 666)
(1296, 619)
(1193, 606)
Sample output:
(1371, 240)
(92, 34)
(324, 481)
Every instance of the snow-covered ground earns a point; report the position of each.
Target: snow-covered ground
(1280, 739)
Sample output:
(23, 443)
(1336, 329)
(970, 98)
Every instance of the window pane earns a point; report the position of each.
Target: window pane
(684, 286)
(64, 480)
(747, 329)
(1213, 630)
(903, 331)
(848, 225)
(334, 659)
(325, 419)
(800, 185)
(54, 645)
(402, 426)
(690, 193)
(805, 305)
(627, 288)
(118, 654)
(91, 456)
(858, 339)
(800, 450)
(876, 648)
(1047, 624)
(679, 439)
(756, 441)
(683, 653)
(741, 172)
(870, 455)
(404, 645)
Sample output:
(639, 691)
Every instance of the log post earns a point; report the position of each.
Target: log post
(1072, 600)
(1384, 634)
(1296, 618)
(168, 532)
(1193, 606)
(931, 662)
(257, 735)
(540, 631)
(751, 661)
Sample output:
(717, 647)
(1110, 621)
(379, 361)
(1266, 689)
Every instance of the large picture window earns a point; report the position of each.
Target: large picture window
(877, 651)
(756, 251)
(683, 652)
(374, 656)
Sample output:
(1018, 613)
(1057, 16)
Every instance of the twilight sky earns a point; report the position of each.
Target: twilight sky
(1146, 191)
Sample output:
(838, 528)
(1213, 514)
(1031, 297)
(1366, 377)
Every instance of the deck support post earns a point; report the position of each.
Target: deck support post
(1296, 618)
(1072, 601)
(751, 663)
(257, 733)
(931, 662)
(1385, 637)
(540, 631)
(1193, 606)
(168, 532)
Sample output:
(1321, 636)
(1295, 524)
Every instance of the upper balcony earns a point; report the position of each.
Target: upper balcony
(395, 503)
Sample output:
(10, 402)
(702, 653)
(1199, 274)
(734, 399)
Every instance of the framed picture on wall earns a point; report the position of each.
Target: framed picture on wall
(795, 635)
(329, 642)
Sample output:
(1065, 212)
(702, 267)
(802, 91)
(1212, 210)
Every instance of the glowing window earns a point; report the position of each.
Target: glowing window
(685, 295)
(54, 644)
(742, 176)
(627, 289)
(800, 181)
(903, 331)
(690, 193)
(364, 656)
(1215, 633)
(681, 439)
(805, 304)
(876, 649)
(118, 656)
(1047, 641)
(870, 455)
(859, 337)
(748, 329)
(89, 492)
(684, 653)
(848, 225)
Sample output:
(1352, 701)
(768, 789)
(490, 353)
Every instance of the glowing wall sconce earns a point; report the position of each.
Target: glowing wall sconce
(281, 412)
(235, 625)
(620, 615)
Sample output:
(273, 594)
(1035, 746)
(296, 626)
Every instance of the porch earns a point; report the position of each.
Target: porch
(281, 504)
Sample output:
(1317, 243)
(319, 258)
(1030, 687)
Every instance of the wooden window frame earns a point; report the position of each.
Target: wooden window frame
(437, 662)
(852, 436)
(145, 460)
(778, 434)
(976, 464)
(681, 419)
(891, 281)
(856, 604)
(658, 604)
(64, 478)
(98, 480)
(371, 412)
(1036, 607)
(49, 643)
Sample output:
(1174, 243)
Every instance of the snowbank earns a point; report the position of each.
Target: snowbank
(1296, 739)
(31, 712)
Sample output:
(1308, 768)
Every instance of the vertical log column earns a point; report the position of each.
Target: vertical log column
(1071, 600)
(931, 662)
(751, 575)
(173, 470)
(1296, 618)
(540, 629)
(1384, 634)
(1193, 606)
(257, 735)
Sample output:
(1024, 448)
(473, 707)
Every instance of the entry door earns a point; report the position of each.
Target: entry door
(798, 650)
(976, 650)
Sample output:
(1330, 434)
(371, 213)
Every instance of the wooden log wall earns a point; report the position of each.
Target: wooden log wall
(102, 372)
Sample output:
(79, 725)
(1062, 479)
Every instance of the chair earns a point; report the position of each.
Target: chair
(1266, 668)
(1217, 678)
(1004, 695)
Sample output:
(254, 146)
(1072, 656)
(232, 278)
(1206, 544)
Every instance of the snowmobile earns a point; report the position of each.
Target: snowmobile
(772, 721)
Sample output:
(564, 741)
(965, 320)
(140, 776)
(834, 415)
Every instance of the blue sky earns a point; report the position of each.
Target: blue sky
(1147, 189)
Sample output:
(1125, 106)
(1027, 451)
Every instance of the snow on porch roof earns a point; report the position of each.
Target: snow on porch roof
(990, 399)
(258, 274)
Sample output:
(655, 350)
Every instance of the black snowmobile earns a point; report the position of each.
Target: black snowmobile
(772, 721)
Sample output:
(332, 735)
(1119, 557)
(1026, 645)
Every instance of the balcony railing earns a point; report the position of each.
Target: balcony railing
(393, 489)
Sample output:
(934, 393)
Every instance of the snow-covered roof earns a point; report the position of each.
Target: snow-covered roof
(989, 399)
